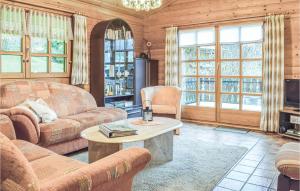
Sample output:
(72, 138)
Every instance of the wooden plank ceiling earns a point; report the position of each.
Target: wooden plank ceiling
(116, 5)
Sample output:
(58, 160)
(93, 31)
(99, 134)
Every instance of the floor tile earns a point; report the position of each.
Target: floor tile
(261, 181)
(221, 189)
(267, 166)
(250, 163)
(231, 184)
(252, 187)
(244, 169)
(238, 176)
(254, 157)
(264, 173)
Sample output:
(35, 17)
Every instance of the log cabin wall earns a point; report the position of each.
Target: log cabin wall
(185, 12)
(94, 14)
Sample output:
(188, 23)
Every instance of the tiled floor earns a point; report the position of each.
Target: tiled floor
(256, 170)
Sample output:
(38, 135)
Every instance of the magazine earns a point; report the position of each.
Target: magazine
(116, 130)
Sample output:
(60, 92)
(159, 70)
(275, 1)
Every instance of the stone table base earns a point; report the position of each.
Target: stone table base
(160, 147)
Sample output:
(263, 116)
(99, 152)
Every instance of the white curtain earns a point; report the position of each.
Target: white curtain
(171, 57)
(80, 65)
(51, 26)
(12, 20)
(273, 73)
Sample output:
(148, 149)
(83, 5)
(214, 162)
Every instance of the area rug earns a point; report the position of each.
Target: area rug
(197, 165)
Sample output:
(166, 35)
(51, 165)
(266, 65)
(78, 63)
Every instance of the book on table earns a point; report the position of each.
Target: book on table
(116, 130)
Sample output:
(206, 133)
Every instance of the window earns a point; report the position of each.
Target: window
(241, 67)
(11, 54)
(229, 69)
(197, 55)
(48, 56)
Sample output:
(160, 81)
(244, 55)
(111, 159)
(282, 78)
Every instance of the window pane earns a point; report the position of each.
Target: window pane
(58, 64)
(229, 34)
(189, 98)
(251, 103)
(107, 57)
(253, 50)
(252, 68)
(230, 85)
(189, 83)
(39, 64)
(207, 52)
(230, 51)
(251, 32)
(120, 57)
(11, 42)
(207, 68)
(230, 68)
(206, 36)
(207, 84)
(230, 101)
(187, 38)
(207, 100)
(39, 45)
(188, 53)
(11, 64)
(120, 44)
(189, 68)
(129, 44)
(130, 56)
(58, 47)
(252, 85)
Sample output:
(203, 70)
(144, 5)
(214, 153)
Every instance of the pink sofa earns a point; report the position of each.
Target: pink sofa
(75, 107)
(28, 167)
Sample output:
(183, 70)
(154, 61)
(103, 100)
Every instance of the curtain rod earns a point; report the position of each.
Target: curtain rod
(223, 20)
(36, 7)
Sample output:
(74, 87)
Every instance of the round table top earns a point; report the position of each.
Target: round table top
(158, 126)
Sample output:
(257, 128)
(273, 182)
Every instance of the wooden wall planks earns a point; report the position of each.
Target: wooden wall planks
(184, 12)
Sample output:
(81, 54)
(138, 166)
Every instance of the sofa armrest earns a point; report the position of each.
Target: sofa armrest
(114, 172)
(6, 127)
(25, 123)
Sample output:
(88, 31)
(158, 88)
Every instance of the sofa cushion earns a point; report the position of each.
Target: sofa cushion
(98, 116)
(12, 94)
(164, 109)
(54, 166)
(287, 160)
(16, 172)
(30, 151)
(69, 100)
(60, 130)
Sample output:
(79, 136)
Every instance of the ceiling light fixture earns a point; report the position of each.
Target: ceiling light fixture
(142, 5)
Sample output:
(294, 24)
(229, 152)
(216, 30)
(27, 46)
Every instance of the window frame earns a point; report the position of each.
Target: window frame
(49, 56)
(21, 53)
(218, 77)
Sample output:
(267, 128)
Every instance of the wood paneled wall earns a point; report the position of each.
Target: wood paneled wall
(94, 15)
(190, 12)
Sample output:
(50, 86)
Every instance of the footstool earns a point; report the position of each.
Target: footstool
(288, 164)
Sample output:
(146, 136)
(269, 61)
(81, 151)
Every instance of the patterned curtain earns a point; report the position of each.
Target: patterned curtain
(12, 20)
(80, 65)
(273, 73)
(171, 57)
(51, 26)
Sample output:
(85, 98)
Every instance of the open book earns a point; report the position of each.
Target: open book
(116, 130)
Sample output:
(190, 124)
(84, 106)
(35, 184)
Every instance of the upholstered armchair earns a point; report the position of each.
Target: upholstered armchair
(165, 101)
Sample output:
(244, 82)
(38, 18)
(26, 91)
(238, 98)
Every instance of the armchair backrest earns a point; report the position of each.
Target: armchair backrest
(162, 95)
(16, 172)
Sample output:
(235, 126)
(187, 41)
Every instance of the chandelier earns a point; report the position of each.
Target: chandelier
(142, 5)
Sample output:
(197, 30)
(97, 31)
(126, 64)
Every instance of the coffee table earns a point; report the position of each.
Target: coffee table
(156, 136)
